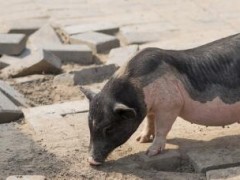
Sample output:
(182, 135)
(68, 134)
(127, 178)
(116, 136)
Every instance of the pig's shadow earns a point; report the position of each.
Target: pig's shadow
(125, 165)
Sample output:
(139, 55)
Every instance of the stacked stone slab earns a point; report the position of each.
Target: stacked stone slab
(107, 28)
(12, 44)
(25, 27)
(80, 54)
(38, 62)
(98, 42)
(87, 75)
(10, 103)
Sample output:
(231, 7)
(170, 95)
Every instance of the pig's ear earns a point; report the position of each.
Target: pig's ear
(88, 93)
(124, 111)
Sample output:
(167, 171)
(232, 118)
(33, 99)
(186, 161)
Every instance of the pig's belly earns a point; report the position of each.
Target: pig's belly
(211, 113)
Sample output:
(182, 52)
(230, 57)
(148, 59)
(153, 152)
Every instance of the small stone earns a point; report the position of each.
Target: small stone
(86, 75)
(38, 62)
(228, 174)
(8, 110)
(80, 54)
(12, 44)
(26, 177)
(166, 161)
(119, 56)
(98, 42)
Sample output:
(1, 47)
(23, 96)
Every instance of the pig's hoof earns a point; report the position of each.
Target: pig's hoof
(144, 138)
(153, 152)
(155, 149)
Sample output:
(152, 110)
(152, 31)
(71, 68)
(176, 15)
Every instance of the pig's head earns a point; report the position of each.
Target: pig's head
(114, 115)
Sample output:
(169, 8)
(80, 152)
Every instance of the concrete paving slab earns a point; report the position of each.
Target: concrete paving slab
(12, 44)
(38, 62)
(213, 157)
(80, 54)
(45, 36)
(119, 56)
(85, 76)
(25, 26)
(107, 28)
(166, 161)
(227, 174)
(17, 98)
(98, 42)
(8, 110)
(57, 110)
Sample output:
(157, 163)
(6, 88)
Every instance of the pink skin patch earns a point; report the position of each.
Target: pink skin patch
(167, 98)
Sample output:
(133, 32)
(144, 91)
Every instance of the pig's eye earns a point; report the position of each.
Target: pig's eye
(108, 130)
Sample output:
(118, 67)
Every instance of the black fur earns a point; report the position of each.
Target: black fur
(110, 129)
(207, 71)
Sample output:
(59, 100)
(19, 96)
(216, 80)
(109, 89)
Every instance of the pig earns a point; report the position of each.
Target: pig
(201, 85)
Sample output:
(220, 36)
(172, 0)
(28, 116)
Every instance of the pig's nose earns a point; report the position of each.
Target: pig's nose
(93, 162)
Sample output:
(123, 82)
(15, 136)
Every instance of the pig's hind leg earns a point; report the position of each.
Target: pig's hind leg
(147, 133)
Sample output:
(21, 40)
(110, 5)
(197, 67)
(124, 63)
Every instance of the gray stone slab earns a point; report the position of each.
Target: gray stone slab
(80, 54)
(45, 36)
(140, 37)
(178, 176)
(7, 60)
(107, 28)
(8, 110)
(26, 177)
(228, 174)
(143, 33)
(38, 62)
(17, 98)
(86, 75)
(119, 56)
(12, 44)
(34, 115)
(166, 161)
(208, 158)
(25, 26)
(98, 42)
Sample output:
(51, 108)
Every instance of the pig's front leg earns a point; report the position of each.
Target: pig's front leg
(163, 124)
(148, 130)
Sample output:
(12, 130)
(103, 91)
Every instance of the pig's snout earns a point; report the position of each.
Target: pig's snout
(93, 162)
